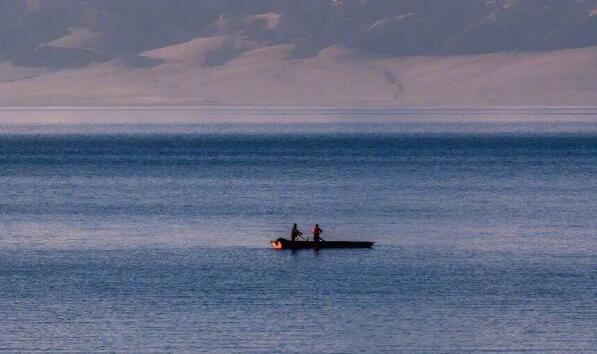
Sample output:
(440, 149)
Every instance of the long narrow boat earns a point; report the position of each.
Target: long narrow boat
(283, 244)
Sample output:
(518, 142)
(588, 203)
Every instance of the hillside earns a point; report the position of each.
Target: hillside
(395, 52)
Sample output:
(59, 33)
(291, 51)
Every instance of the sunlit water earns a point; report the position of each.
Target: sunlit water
(155, 238)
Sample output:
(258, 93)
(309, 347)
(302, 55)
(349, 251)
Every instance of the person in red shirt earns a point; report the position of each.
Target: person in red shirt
(317, 234)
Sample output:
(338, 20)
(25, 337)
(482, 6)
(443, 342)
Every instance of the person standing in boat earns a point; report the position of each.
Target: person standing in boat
(317, 234)
(295, 233)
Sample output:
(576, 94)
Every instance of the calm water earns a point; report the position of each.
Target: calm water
(155, 238)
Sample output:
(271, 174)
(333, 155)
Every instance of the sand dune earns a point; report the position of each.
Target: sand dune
(288, 52)
(241, 72)
(77, 38)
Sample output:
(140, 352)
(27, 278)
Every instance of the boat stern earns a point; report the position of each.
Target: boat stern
(277, 244)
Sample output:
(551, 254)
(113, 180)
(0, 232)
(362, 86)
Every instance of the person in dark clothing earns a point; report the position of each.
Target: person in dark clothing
(295, 233)
(317, 234)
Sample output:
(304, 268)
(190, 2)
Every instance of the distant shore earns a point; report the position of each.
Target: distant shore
(335, 77)
(191, 114)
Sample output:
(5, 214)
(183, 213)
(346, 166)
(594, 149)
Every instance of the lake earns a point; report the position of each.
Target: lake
(154, 237)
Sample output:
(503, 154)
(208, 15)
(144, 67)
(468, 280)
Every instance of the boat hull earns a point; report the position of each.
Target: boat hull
(283, 244)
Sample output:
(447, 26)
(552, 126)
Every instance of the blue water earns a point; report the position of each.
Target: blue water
(155, 238)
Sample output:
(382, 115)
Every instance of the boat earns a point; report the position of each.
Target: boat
(284, 244)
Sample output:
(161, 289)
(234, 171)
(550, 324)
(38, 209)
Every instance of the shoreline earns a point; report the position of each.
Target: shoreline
(289, 114)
